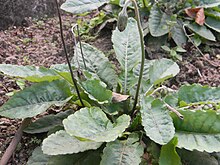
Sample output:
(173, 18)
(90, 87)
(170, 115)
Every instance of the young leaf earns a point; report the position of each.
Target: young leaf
(156, 120)
(62, 143)
(82, 6)
(202, 31)
(96, 63)
(168, 155)
(97, 91)
(30, 73)
(36, 99)
(162, 70)
(197, 93)
(48, 122)
(198, 131)
(213, 23)
(93, 124)
(123, 152)
(127, 47)
(158, 22)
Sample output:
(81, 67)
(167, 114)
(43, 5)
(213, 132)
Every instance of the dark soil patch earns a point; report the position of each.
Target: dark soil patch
(40, 45)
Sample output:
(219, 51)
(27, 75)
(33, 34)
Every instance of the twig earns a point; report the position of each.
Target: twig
(184, 30)
(17, 138)
(174, 111)
(65, 51)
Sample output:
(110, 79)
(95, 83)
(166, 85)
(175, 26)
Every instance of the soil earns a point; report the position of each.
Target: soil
(39, 44)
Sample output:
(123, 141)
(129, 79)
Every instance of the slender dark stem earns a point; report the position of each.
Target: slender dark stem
(80, 45)
(66, 54)
(17, 138)
(142, 53)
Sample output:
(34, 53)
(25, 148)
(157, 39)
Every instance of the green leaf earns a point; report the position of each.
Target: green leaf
(202, 31)
(162, 70)
(156, 120)
(127, 81)
(178, 34)
(93, 124)
(97, 91)
(206, 3)
(213, 23)
(196, 157)
(62, 143)
(197, 93)
(158, 22)
(200, 130)
(168, 155)
(38, 157)
(36, 99)
(83, 158)
(123, 152)
(48, 122)
(127, 47)
(96, 63)
(82, 6)
(30, 73)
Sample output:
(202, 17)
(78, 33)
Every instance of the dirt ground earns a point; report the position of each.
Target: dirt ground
(39, 44)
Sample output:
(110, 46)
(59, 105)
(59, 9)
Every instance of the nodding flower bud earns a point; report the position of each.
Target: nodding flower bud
(122, 20)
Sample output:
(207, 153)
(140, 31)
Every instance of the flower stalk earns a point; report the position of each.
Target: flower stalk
(122, 23)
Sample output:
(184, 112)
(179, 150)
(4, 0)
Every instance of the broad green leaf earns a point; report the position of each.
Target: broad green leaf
(83, 158)
(30, 73)
(213, 23)
(36, 99)
(178, 34)
(38, 157)
(168, 155)
(158, 22)
(123, 152)
(97, 91)
(197, 158)
(91, 157)
(127, 47)
(62, 143)
(202, 31)
(162, 70)
(93, 124)
(156, 120)
(197, 93)
(127, 81)
(82, 6)
(213, 12)
(206, 3)
(147, 65)
(96, 63)
(48, 122)
(200, 130)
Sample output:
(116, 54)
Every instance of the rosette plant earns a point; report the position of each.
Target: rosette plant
(122, 117)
